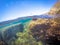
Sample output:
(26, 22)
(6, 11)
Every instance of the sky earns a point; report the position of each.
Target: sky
(12, 9)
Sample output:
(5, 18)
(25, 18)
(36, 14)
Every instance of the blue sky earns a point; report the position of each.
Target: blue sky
(11, 9)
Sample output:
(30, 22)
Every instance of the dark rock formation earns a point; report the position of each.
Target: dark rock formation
(47, 32)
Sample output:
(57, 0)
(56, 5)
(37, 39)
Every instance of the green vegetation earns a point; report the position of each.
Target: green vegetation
(25, 38)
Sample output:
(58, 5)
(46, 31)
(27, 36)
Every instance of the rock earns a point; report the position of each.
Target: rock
(55, 10)
(46, 30)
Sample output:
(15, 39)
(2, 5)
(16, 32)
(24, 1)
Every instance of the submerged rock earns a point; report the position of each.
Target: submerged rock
(46, 30)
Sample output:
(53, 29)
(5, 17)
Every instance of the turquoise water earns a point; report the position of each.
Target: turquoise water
(16, 22)
(22, 21)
